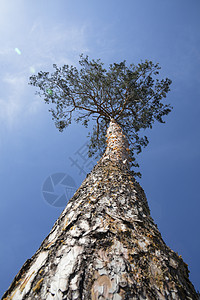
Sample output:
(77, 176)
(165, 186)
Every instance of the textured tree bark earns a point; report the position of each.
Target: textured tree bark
(105, 245)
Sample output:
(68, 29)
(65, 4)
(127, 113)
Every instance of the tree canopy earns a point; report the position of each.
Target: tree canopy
(130, 94)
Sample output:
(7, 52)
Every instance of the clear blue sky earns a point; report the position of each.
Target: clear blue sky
(31, 148)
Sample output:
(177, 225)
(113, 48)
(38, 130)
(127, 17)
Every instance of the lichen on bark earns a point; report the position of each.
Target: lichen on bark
(105, 244)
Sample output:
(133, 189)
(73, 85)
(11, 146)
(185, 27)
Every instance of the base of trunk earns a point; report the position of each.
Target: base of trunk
(104, 245)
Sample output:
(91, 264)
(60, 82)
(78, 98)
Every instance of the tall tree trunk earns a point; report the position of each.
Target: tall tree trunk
(105, 245)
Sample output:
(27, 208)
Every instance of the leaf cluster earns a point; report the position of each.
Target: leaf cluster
(132, 95)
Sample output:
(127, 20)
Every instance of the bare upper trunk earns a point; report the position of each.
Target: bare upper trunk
(105, 245)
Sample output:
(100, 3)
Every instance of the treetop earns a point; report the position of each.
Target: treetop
(130, 94)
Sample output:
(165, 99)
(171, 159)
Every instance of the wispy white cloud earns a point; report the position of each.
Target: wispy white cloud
(12, 103)
(40, 48)
(58, 44)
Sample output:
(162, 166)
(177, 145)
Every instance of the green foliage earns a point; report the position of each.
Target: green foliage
(132, 95)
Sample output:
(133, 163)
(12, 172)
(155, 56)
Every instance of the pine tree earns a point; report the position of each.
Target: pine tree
(105, 244)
